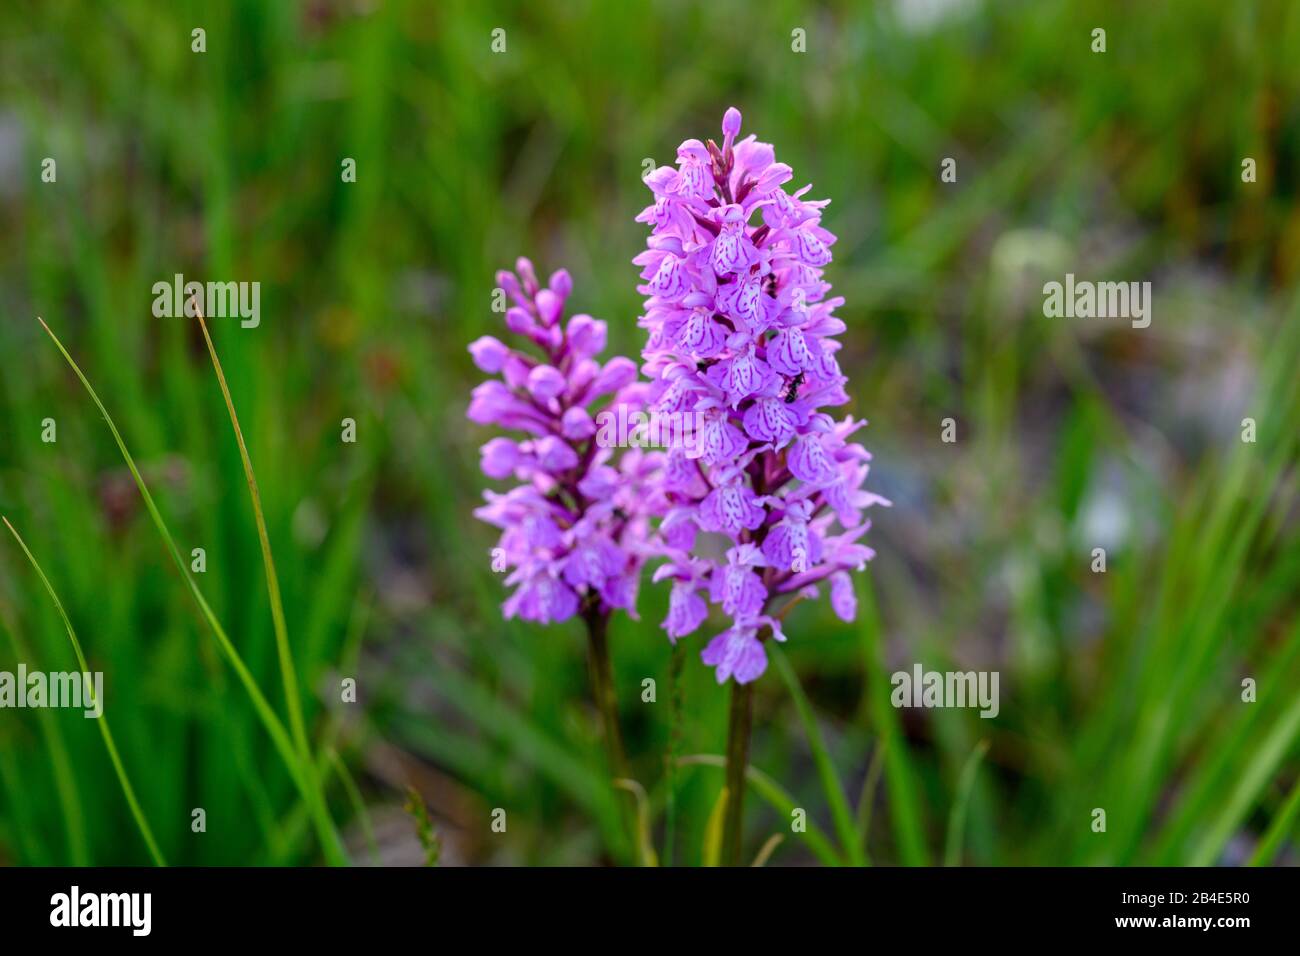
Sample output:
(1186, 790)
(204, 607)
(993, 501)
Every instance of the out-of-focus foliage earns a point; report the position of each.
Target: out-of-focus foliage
(1120, 691)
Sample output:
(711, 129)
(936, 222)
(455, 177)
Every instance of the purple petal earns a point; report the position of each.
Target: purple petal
(769, 420)
(545, 383)
(736, 653)
(489, 353)
(788, 352)
(808, 460)
(686, 611)
(843, 599)
(500, 457)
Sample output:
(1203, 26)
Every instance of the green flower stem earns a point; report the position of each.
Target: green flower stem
(602, 689)
(738, 730)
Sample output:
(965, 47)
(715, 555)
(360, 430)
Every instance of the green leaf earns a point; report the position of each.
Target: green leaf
(102, 720)
(957, 819)
(713, 830)
(841, 814)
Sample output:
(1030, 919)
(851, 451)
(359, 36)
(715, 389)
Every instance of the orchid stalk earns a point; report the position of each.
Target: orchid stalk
(767, 503)
(574, 524)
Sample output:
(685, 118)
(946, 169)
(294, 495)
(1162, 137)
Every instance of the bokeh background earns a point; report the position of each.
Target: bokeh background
(1120, 691)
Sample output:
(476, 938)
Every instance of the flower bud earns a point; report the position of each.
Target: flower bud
(519, 321)
(554, 454)
(587, 335)
(500, 456)
(576, 425)
(489, 353)
(731, 122)
(617, 372)
(545, 383)
(561, 283)
(549, 307)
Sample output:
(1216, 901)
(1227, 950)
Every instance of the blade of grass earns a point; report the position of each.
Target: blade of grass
(288, 672)
(712, 852)
(904, 797)
(358, 804)
(1215, 773)
(866, 799)
(17, 827)
(296, 822)
(1251, 782)
(646, 845)
(284, 651)
(957, 819)
(780, 799)
(1282, 824)
(841, 813)
(102, 720)
(74, 815)
(767, 849)
(534, 745)
(331, 845)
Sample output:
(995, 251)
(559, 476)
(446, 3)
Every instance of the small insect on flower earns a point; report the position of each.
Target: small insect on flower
(741, 328)
(793, 388)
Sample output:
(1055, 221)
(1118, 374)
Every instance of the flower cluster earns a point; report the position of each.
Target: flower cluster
(573, 529)
(742, 332)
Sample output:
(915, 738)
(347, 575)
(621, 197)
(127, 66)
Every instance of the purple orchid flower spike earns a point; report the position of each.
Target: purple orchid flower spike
(742, 332)
(575, 526)
(742, 335)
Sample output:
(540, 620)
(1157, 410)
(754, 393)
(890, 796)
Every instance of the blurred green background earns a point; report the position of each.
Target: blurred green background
(1120, 691)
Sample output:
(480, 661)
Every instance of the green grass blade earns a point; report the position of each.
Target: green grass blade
(534, 745)
(767, 849)
(645, 842)
(780, 800)
(957, 819)
(284, 651)
(288, 672)
(127, 790)
(358, 804)
(74, 814)
(900, 778)
(712, 852)
(331, 845)
(867, 796)
(841, 813)
(1277, 832)
(1252, 781)
(16, 824)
